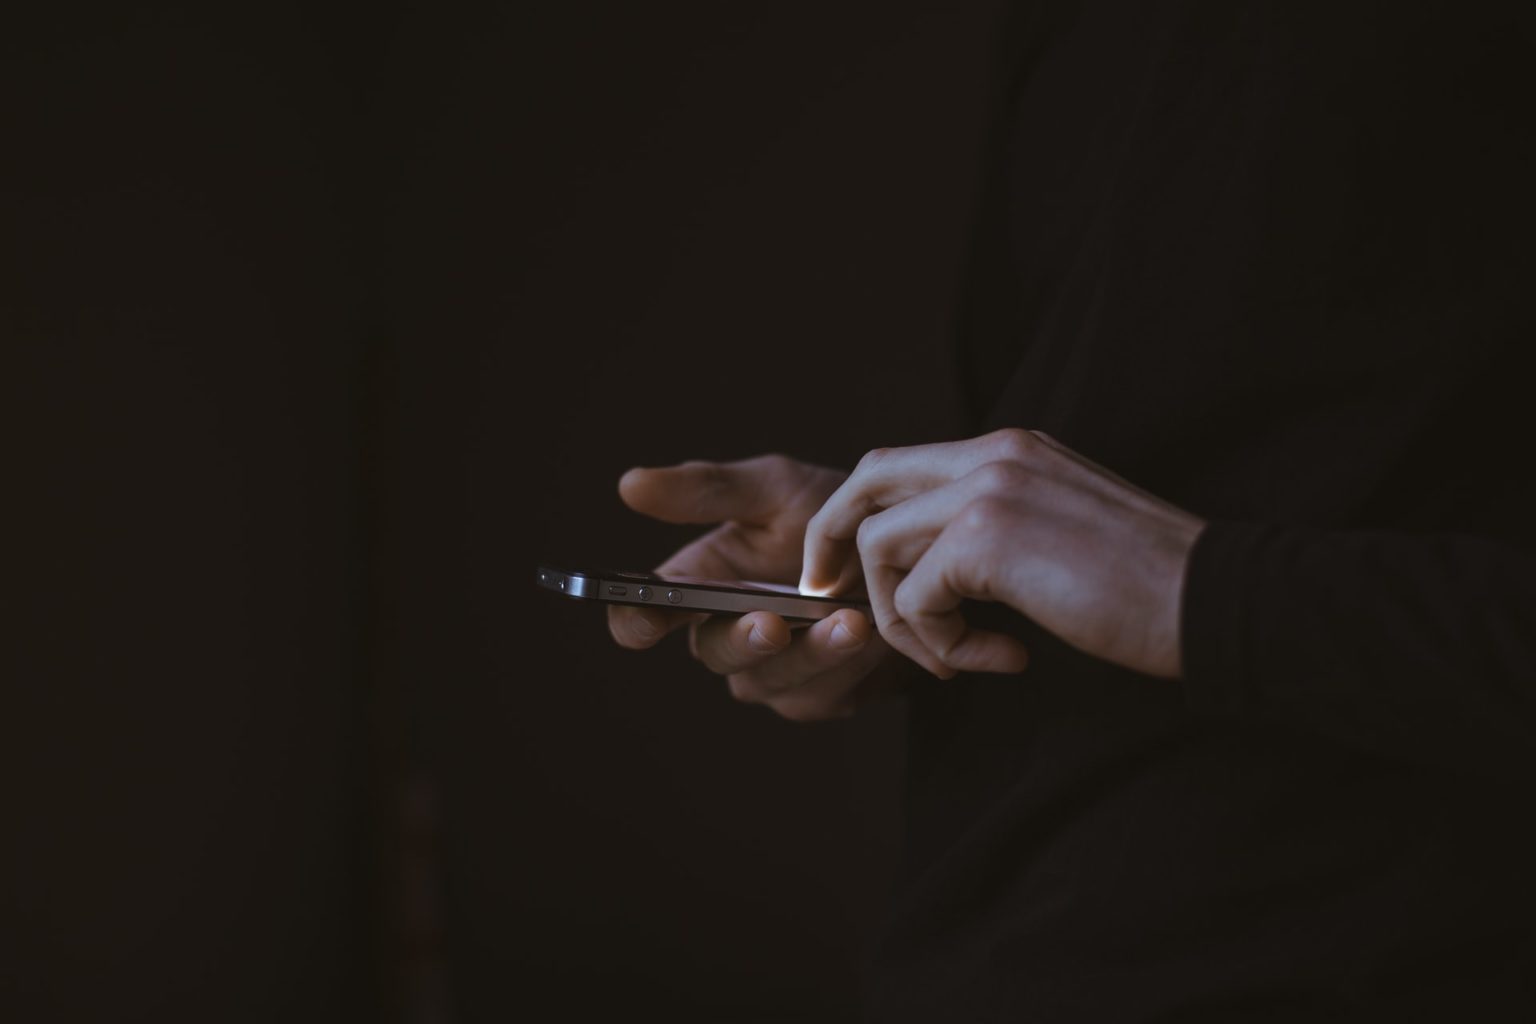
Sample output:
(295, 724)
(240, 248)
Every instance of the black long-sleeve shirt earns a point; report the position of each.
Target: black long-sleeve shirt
(1274, 262)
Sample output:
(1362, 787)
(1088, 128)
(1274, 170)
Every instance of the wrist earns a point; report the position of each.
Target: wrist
(1167, 661)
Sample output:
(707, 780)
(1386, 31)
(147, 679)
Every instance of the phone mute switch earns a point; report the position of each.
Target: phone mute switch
(618, 591)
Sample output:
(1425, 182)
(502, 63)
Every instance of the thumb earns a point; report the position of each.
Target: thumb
(751, 491)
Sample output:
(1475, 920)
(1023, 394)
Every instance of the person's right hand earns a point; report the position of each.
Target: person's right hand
(762, 506)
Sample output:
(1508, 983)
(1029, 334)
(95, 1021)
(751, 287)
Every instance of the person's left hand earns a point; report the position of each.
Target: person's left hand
(1015, 517)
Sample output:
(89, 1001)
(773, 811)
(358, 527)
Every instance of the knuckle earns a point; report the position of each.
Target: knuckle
(868, 536)
(1014, 443)
(943, 647)
(1001, 475)
(907, 607)
(982, 515)
(711, 475)
(872, 459)
(776, 464)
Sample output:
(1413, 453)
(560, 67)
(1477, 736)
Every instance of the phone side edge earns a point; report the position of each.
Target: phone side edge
(568, 583)
(737, 602)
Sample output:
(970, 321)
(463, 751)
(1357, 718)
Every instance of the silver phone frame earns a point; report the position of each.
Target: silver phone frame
(649, 590)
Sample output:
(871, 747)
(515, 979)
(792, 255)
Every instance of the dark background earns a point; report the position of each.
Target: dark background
(320, 326)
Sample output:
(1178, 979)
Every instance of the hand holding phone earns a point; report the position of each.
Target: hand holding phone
(759, 509)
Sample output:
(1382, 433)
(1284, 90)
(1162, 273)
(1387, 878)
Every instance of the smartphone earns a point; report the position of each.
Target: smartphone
(690, 594)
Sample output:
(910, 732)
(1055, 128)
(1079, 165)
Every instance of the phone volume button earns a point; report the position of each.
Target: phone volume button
(644, 593)
(673, 597)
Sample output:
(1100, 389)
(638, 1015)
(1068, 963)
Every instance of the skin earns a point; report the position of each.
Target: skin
(759, 509)
(1013, 517)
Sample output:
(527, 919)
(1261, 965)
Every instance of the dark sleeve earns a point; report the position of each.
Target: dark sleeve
(1416, 646)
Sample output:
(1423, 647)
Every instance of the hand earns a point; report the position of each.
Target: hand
(762, 506)
(1014, 517)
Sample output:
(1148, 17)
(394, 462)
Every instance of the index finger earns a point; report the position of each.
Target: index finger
(883, 478)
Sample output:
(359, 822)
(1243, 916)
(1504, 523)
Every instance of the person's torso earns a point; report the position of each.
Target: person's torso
(1266, 260)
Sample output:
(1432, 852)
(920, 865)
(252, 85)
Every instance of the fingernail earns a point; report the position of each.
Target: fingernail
(810, 586)
(643, 628)
(759, 641)
(843, 638)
